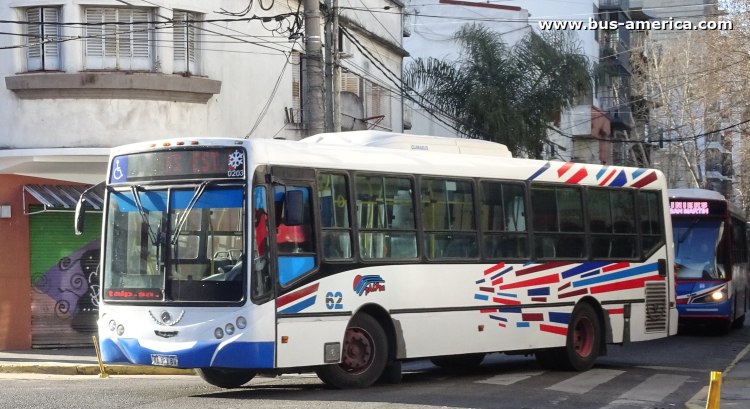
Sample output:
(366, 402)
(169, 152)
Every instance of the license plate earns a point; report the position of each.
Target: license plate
(163, 360)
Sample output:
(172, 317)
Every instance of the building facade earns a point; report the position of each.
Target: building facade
(83, 76)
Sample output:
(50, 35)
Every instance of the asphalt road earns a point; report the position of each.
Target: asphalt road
(657, 374)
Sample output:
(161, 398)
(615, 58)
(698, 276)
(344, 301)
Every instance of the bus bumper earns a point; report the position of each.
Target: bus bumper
(190, 354)
(720, 310)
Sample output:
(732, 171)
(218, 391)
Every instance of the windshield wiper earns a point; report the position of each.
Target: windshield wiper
(154, 237)
(183, 217)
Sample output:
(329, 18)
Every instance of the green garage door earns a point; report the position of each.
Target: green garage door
(65, 283)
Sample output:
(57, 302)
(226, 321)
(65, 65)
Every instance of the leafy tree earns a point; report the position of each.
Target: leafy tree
(506, 94)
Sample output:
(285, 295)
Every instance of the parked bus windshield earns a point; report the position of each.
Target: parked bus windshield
(202, 250)
(698, 253)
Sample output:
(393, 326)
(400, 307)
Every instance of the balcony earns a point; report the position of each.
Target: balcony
(620, 118)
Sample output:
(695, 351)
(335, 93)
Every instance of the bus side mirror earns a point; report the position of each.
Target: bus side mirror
(80, 215)
(294, 212)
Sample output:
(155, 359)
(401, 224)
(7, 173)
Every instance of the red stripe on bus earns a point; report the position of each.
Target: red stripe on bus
(604, 182)
(291, 297)
(624, 285)
(646, 180)
(488, 311)
(541, 267)
(494, 268)
(532, 317)
(505, 301)
(487, 289)
(578, 176)
(616, 311)
(497, 281)
(550, 279)
(564, 168)
(542, 299)
(553, 329)
(615, 267)
(501, 324)
(574, 293)
(564, 286)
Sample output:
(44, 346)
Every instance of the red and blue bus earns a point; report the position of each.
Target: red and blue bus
(711, 260)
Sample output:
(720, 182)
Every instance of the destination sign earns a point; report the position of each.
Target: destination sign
(689, 207)
(179, 164)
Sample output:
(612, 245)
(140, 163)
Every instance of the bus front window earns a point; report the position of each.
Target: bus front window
(202, 252)
(699, 252)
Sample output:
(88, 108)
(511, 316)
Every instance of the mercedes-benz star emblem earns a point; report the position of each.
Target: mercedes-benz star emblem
(165, 317)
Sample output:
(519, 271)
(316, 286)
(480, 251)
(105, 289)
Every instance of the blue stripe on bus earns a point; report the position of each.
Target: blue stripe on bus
(508, 295)
(501, 273)
(638, 172)
(620, 274)
(620, 180)
(515, 310)
(157, 201)
(299, 306)
(522, 324)
(481, 297)
(601, 172)
(480, 281)
(539, 291)
(583, 268)
(539, 172)
(293, 267)
(593, 273)
(559, 317)
(498, 318)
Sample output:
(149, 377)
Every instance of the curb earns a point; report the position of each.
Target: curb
(91, 369)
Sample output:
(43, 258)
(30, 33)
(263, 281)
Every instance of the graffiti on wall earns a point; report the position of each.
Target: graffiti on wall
(65, 297)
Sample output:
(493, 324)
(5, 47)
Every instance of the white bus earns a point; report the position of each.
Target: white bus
(346, 254)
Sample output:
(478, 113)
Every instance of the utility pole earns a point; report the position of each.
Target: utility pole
(329, 51)
(336, 70)
(314, 58)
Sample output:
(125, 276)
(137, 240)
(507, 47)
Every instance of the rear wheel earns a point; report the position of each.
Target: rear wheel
(739, 322)
(464, 361)
(363, 357)
(582, 344)
(226, 378)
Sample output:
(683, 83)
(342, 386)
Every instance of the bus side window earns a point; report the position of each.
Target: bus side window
(558, 222)
(650, 216)
(261, 278)
(294, 244)
(612, 224)
(448, 217)
(336, 231)
(503, 220)
(385, 217)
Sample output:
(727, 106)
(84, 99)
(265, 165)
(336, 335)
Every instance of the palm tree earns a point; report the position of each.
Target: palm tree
(500, 93)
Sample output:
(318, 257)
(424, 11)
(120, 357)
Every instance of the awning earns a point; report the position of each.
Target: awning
(63, 197)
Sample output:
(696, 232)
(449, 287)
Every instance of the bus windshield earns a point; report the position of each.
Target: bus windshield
(698, 249)
(175, 245)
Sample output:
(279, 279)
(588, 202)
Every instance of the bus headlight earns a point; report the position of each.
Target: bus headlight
(120, 330)
(717, 295)
(229, 329)
(712, 297)
(241, 322)
(218, 333)
(112, 325)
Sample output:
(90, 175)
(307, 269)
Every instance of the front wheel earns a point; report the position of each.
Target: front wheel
(363, 357)
(226, 378)
(582, 343)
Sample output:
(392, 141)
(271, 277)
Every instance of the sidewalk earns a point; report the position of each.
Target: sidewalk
(735, 385)
(73, 361)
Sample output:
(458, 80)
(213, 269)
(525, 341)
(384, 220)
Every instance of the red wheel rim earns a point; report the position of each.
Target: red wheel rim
(583, 337)
(358, 351)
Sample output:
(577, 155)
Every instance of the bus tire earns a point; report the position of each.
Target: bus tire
(583, 340)
(363, 356)
(226, 378)
(464, 361)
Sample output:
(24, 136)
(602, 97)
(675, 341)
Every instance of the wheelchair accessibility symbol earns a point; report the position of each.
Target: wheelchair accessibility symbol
(119, 170)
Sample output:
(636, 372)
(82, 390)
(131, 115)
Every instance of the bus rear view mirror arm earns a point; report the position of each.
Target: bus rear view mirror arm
(81, 209)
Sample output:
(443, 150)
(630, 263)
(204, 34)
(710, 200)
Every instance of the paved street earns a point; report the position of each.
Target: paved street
(659, 374)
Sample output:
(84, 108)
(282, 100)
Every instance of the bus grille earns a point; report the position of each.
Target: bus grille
(656, 306)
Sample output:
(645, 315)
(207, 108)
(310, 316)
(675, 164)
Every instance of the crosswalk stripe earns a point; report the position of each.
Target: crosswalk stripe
(510, 378)
(655, 388)
(586, 381)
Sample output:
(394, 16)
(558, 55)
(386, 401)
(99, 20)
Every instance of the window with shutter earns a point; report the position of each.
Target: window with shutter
(42, 46)
(296, 87)
(121, 40)
(350, 83)
(378, 102)
(185, 39)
